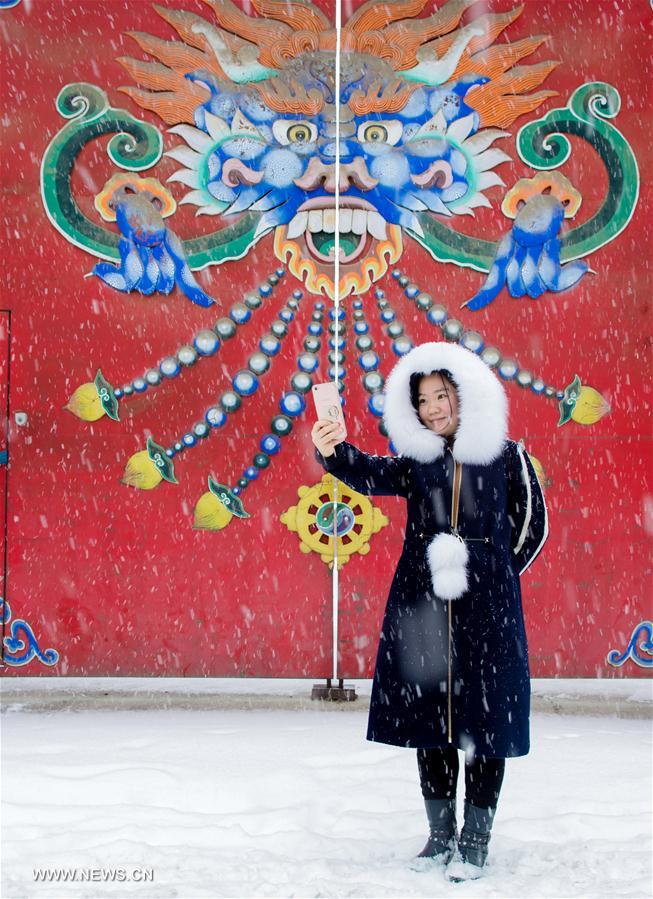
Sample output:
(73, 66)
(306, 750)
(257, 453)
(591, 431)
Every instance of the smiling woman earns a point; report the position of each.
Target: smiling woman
(435, 399)
(452, 663)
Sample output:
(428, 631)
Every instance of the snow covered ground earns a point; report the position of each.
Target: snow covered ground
(282, 802)
(624, 697)
(639, 689)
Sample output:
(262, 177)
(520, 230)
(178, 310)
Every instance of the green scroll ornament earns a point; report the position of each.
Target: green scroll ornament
(542, 144)
(135, 146)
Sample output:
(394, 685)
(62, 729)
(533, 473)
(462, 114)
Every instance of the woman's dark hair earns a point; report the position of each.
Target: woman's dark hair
(416, 378)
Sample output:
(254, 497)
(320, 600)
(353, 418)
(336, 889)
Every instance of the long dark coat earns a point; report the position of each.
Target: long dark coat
(452, 662)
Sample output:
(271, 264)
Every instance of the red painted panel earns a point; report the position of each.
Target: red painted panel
(117, 580)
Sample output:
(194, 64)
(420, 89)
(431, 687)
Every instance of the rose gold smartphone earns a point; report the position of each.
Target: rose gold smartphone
(327, 404)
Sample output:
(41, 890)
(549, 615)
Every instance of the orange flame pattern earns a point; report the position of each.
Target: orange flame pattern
(285, 29)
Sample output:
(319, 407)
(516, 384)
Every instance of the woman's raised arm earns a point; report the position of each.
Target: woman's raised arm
(369, 475)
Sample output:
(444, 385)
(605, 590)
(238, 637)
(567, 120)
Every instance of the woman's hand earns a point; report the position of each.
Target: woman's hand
(326, 435)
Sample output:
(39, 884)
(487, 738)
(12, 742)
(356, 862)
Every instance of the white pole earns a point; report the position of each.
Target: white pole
(336, 276)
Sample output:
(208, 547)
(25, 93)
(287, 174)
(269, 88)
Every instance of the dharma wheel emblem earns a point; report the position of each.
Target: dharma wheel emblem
(355, 518)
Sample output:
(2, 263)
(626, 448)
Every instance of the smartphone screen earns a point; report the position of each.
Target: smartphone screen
(327, 403)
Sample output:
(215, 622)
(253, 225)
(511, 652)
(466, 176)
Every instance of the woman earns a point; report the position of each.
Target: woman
(452, 664)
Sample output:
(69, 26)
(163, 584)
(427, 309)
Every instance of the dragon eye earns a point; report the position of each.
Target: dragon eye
(298, 133)
(380, 132)
(375, 134)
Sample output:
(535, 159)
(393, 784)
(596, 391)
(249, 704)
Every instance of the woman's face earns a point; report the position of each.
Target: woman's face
(437, 404)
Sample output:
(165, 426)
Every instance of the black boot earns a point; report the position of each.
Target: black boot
(441, 843)
(473, 843)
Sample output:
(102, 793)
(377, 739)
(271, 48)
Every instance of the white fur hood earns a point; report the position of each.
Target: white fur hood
(483, 406)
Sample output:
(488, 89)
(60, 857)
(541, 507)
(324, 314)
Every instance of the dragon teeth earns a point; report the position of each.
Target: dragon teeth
(359, 221)
(345, 221)
(350, 219)
(315, 220)
(329, 221)
(376, 225)
(297, 225)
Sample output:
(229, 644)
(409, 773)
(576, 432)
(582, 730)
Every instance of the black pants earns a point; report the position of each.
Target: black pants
(438, 774)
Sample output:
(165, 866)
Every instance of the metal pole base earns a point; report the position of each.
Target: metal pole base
(333, 694)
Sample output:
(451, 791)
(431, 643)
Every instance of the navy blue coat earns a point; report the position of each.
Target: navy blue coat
(454, 671)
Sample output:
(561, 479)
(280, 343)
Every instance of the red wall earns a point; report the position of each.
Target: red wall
(117, 581)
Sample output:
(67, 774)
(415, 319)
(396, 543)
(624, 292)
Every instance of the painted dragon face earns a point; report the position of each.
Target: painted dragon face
(422, 153)
(256, 101)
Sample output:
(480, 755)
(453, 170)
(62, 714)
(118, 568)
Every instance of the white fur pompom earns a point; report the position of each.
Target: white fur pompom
(447, 558)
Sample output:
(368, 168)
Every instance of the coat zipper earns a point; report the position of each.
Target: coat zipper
(455, 500)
